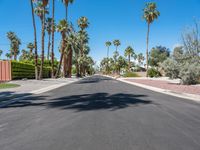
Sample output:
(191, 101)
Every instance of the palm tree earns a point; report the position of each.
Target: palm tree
(52, 43)
(83, 24)
(62, 27)
(30, 46)
(140, 58)
(40, 10)
(116, 43)
(35, 40)
(8, 55)
(1, 52)
(49, 28)
(67, 58)
(15, 42)
(108, 44)
(129, 52)
(150, 14)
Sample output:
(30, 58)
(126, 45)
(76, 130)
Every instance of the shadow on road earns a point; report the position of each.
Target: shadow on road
(98, 101)
(86, 102)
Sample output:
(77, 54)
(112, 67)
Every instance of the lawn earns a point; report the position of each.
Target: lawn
(8, 85)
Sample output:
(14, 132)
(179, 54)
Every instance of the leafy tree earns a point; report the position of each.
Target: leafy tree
(150, 14)
(158, 54)
(129, 52)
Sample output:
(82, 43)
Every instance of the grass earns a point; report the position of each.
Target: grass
(8, 85)
(131, 74)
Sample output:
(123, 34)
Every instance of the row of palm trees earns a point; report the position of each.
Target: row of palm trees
(74, 44)
(118, 62)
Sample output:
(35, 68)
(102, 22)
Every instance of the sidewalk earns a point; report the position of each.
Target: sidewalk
(29, 87)
(166, 86)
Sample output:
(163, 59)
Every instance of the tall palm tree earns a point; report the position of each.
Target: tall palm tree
(52, 42)
(129, 52)
(116, 43)
(83, 24)
(66, 59)
(62, 27)
(48, 29)
(150, 14)
(108, 44)
(35, 40)
(40, 10)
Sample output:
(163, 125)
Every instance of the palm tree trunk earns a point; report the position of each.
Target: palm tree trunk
(49, 45)
(42, 56)
(108, 52)
(62, 55)
(147, 50)
(129, 63)
(35, 41)
(52, 43)
(69, 64)
(65, 59)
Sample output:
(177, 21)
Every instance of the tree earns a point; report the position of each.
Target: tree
(62, 28)
(116, 43)
(129, 52)
(52, 45)
(48, 29)
(30, 46)
(67, 60)
(150, 14)
(40, 10)
(8, 55)
(35, 40)
(83, 24)
(140, 58)
(1, 52)
(108, 44)
(15, 42)
(158, 54)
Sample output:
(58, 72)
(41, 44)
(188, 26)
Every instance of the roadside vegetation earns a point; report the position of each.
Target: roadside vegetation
(8, 85)
(74, 48)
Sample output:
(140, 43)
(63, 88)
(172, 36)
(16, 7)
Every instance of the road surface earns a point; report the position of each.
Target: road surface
(99, 113)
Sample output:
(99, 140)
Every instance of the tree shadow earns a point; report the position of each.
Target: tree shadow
(98, 101)
(92, 80)
(85, 102)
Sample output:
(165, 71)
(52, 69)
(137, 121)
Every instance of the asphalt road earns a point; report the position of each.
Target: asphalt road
(100, 113)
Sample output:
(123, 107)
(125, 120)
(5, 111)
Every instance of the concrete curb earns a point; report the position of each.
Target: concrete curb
(193, 97)
(36, 92)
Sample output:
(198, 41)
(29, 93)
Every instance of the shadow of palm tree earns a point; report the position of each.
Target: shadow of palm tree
(98, 101)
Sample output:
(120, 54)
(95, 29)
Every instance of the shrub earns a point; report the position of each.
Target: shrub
(190, 73)
(171, 68)
(131, 74)
(24, 70)
(152, 72)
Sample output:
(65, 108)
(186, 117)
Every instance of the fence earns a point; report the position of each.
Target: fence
(5, 71)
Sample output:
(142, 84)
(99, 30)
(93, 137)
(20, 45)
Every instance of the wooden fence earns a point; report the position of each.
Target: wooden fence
(5, 71)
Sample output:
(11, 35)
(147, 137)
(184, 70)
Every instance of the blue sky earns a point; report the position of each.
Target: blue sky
(109, 20)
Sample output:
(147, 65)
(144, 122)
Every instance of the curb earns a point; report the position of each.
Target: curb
(36, 92)
(192, 97)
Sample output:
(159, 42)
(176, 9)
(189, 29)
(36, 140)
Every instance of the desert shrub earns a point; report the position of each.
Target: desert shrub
(153, 72)
(171, 68)
(131, 74)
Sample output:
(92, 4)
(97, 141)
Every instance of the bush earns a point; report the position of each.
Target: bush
(131, 74)
(190, 73)
(24, 70)
(152, 72)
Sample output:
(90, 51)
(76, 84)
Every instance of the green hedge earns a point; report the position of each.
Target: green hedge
(24, 70)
